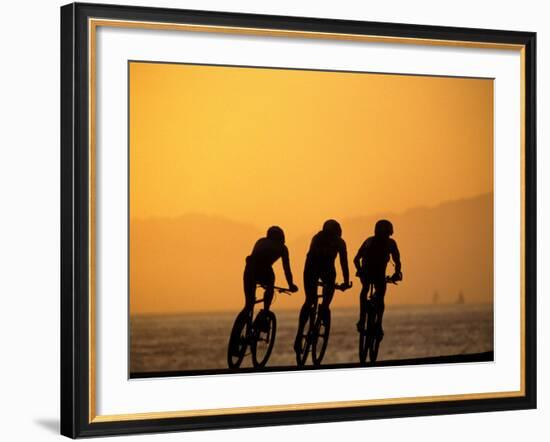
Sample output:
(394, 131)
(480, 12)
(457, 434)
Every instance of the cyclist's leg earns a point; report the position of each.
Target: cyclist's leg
(310, 289)
(269, 281)
(329, 281)
(371, 313)
(363, 303)
(379, 305)
(307, 309)
(265, 277)
(249, 285)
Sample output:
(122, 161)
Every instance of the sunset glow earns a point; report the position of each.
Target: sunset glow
(218, 154)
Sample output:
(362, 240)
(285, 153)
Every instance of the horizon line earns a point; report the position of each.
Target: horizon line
(333, 308)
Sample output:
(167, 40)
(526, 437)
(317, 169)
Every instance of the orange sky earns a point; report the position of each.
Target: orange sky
(290, 147)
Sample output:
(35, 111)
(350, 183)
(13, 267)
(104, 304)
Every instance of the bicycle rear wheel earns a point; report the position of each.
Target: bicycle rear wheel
(321, 334)
(304, 342)
(363, 346)
(264, 330)
(238, 341)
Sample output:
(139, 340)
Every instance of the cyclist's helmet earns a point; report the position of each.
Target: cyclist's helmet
(275, 233)
(383, 228)
(332, 227)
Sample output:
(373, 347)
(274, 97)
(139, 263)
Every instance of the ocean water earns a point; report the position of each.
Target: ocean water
(198, 341)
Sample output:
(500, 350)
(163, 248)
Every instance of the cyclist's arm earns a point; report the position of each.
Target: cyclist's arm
(357, 260)
(344, 261)
(395, 256)
(286, 266)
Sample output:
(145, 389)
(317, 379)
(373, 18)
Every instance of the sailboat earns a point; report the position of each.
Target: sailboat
(435, 298)
(460, 299)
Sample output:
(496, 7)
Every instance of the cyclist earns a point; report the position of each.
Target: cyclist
(371, 262)
(319, 265)
(259, 267)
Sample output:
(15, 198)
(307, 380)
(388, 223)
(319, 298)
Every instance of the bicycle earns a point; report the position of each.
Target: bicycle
(318, 331)
(370, 336)
(258, 334)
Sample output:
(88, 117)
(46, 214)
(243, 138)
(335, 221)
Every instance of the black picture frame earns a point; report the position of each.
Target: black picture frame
(75, 220)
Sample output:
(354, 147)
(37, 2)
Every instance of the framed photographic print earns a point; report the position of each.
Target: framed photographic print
(275, 220)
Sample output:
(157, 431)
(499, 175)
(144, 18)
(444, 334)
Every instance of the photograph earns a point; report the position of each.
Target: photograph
(300, 219)
(286, 220)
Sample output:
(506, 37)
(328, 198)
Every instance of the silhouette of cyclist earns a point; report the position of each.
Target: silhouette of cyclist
(371, 262)
(319, 266)
(259, 267)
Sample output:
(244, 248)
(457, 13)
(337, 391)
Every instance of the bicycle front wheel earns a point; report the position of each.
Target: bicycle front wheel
(304, 342)
(264, 330)
(375, 346)
(374, 349)
(238, 341)
(321, 334)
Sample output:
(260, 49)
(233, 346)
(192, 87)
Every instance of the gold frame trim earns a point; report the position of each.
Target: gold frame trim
(93, 24)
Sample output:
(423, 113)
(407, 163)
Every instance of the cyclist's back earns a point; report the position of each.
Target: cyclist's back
(323, 250)
(265, 252)
(325, 246)
(375, 253)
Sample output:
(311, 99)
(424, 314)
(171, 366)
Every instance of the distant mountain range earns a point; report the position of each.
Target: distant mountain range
(195, 262)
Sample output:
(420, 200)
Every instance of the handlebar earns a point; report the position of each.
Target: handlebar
(284, 290)
(390, 281)
(342, 287)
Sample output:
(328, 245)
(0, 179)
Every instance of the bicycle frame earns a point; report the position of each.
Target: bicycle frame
(251, 332)
(312, 335)
(259, 301)
(369, 341)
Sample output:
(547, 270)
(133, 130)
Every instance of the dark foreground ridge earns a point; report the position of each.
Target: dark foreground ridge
(452, 359)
